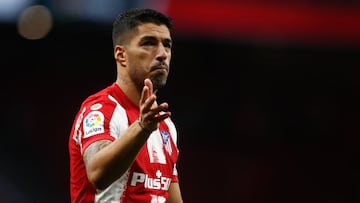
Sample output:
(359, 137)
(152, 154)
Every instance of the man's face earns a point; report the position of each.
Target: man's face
(149, 54)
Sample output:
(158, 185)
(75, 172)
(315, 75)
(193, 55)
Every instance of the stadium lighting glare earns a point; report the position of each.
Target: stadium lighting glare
(35, 22)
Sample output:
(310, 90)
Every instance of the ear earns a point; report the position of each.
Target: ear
(120, 55)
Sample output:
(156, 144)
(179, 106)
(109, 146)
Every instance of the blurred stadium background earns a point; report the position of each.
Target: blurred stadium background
(264, 93)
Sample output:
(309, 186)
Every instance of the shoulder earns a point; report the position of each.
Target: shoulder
(99, 103)
(99, 99)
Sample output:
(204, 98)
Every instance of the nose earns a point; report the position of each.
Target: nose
(163, 52)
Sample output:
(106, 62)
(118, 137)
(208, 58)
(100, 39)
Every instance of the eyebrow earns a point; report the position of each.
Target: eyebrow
(149, 37)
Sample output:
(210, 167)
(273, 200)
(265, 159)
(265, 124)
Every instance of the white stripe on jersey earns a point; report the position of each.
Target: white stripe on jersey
(119, 122)
(172, 130)
(155, 148)
(113, 193)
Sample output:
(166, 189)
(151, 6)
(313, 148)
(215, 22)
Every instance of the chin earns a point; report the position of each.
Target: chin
(158, 82)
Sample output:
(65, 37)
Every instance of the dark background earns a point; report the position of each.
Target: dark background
(259, 121)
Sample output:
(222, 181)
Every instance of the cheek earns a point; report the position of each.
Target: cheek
(135, 61)
(140, 60)
(137, 75)
(141, 56)
(138, 66)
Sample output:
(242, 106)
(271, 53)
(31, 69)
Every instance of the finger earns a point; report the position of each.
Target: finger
(162, 116)
(150, 102)
(144, 95)
(147, 91)
(148, 83)
(155, 112)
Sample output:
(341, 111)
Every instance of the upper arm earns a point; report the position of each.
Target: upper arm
(174, 193)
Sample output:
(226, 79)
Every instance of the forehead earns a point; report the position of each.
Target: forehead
(151, 29)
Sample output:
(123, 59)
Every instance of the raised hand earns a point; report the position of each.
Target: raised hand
(150, 112)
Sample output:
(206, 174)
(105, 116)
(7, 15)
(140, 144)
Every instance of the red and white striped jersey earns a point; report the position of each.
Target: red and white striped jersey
(106, 115)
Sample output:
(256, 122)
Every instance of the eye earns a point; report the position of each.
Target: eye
(167, 45)
(147, 43)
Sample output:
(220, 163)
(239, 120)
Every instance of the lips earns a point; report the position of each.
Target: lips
(160, 70)
(160, 67)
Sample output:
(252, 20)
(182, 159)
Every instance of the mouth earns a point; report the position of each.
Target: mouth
(160, 68)
(160, 71)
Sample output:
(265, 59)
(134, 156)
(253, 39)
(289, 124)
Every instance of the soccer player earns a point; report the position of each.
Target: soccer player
(123, 144)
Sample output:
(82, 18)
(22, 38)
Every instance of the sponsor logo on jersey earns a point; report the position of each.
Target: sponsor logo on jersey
(93, 124)
(157, 183)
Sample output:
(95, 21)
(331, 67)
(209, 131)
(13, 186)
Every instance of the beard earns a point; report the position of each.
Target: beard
(157, 77)
(159, 81)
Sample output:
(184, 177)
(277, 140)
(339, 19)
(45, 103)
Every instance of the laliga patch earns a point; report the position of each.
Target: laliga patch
(93, 124)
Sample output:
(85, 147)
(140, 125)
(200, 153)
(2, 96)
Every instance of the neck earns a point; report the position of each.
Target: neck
(130, 90)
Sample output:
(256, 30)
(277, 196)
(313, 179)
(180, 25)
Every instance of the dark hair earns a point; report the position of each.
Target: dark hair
(132, 18)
